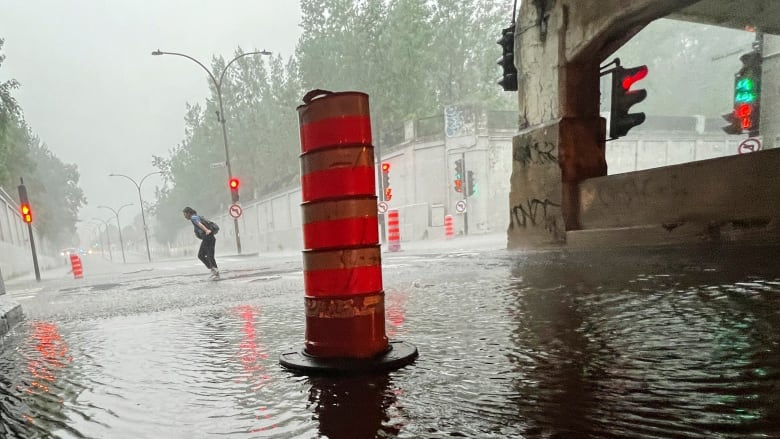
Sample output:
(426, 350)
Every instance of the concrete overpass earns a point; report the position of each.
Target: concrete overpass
(567, 199)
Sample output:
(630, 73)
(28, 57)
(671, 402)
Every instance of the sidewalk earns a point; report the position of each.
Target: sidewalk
(10, 315)
(10, 311)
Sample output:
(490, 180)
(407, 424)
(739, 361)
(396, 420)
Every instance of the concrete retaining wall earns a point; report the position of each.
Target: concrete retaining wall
(15, 253)
(727, 198)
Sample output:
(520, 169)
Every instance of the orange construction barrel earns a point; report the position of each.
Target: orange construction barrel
(342, 267)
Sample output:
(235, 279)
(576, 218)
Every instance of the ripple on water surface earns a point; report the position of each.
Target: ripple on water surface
(549, 345)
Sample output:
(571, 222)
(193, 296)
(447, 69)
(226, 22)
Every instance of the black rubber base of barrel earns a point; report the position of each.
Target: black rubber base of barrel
(397, 356)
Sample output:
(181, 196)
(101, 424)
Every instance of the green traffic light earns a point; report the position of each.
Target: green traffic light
(745, 91)
(745, 84)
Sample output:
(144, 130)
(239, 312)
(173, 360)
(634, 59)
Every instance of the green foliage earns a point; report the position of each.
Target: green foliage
(9, 133)
(411, 56)
(52, 185)
(54, 191)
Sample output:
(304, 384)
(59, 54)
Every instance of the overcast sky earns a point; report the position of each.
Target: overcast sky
(91, 90)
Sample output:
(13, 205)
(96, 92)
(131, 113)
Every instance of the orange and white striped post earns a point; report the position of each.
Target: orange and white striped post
(393, 231)
(342, 270)
(75, 266)
(448, 232)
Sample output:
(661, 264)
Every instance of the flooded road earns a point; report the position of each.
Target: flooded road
(652, 343)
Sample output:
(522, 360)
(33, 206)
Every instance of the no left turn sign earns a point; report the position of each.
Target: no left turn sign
(235, 210)
(381, 207)
(749, 145)
(460, 206)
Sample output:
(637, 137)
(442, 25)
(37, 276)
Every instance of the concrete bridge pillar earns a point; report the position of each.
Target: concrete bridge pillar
(559, 47)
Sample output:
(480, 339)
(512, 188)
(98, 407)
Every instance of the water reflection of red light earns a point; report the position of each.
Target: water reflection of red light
(53, 355)
(396, 312)
(251, 354)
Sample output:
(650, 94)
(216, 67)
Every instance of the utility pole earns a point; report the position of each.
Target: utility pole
(465, 195)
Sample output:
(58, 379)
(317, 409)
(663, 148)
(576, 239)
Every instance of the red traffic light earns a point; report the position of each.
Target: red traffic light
(744, 113)
(634, 76)
(385, 167)
(458, 185)
(233, 183)
(26, 213)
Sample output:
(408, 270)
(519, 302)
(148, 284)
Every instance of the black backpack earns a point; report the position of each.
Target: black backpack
(211, 225)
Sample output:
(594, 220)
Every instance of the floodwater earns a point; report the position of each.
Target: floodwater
(651, 343)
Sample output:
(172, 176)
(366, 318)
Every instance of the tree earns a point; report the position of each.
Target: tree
(57, 197)
(465, 51)
(12, 137)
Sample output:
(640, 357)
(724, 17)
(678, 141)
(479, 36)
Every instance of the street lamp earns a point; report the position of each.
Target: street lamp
(119, 226)
(141, 202)
(221, 115)
(108, 239)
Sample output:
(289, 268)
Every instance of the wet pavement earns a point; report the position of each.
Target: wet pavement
(636, 343)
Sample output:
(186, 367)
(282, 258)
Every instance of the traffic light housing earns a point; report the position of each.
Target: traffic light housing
(734, 126)
(388, 193)
(746, 115)
(471, 184)
(233, 184)
(385, 175)
(24, 205)
(508, 79)
(459, 175)
(623, 98)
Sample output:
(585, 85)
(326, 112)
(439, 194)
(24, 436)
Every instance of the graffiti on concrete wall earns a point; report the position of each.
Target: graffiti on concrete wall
(535, 153)
(459, 120)
(534, 212)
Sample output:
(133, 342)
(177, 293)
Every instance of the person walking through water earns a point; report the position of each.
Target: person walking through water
(208, 240)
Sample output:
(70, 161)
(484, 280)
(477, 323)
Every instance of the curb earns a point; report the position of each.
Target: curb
(236, 255)
(11, 314)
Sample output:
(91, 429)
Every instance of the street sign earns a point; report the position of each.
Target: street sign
(749, 145)
(381, 207)
(460, 206)
(235, 210)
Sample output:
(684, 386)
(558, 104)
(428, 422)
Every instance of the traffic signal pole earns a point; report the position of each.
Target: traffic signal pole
(25, 202)
(465, 196)
(34, 254)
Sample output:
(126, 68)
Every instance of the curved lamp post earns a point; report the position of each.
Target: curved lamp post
(119, 226)
(141, 202)
(221, 115)
(108, 238)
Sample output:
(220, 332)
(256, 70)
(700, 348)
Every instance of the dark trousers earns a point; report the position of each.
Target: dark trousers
(206, 251)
